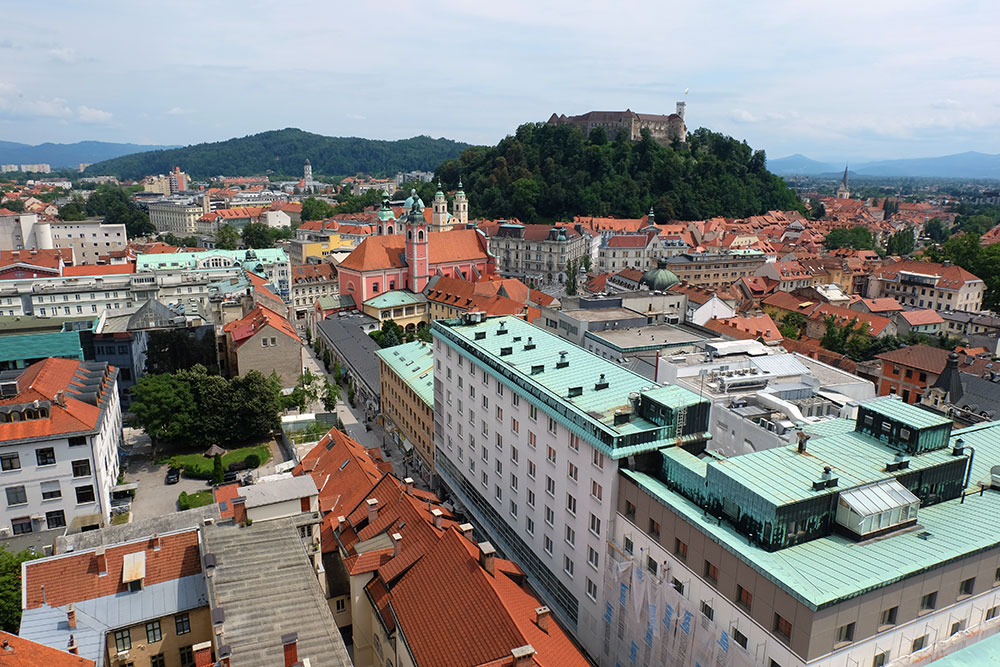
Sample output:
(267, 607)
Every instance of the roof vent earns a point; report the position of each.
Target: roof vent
(601, 383)
(900, 462)
(537, 369)
(502, 331)
(480, 335)
(504, 351)
(826, 480)
(529, 345)
(575, 391)
(622, 417)
(562, 363)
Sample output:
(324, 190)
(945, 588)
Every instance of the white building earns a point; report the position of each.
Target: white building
(90, 239)
(177, 216)
(528, 433)
(60, 428)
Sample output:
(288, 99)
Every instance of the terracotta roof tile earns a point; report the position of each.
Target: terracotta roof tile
(20, 652)
(243, 329)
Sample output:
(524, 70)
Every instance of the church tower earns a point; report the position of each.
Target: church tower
(439, 211)
(417, 260)
(843, 192)
(461, 206)
(386, 218)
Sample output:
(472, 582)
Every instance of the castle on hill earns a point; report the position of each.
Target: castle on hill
(665, 129)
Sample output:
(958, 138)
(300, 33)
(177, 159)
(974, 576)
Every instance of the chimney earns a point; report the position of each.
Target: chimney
(802, 441)
(372, 509)
(102, 561)
(466, 529)
(72, 647)
(155, 539)
(487, 554)
(71, 616)
(341, 522)
(542, 616)
(523, 655)
(290, 642)
(202, 654)
(239, 510)
(437, 514)
(224, 653)
(408, 483)
(397, 544)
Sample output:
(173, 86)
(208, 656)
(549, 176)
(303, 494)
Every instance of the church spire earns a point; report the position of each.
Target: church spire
(844, 181)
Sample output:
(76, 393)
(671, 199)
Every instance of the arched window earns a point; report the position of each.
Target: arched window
(390, 230)
(420, 235)
(380, 230)
(409, 235)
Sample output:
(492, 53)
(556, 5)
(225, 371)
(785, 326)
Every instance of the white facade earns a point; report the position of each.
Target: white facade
(713, 308)
(178, 217)
(22, 231)
(63, 479)
(89, 239)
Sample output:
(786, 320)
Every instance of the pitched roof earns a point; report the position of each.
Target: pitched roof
(882, 305)
(455, 614)
(245, 328)
(387, 252)
(921, 317)
(922, 357)
(99, 269)
(43, 259)
(74, 577)
(343, 471)
(760, 326)
(949, 277)
(788, 301)
(19, 652)
(874, 324)
(628, 241)
(261, 286)
(313, 273)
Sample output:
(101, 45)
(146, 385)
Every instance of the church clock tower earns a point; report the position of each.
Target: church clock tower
(417, 260)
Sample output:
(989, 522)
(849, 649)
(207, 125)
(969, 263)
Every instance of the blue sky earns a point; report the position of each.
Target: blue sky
(840, 81)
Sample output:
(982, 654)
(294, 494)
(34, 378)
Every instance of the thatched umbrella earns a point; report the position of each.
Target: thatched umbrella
(213, 450)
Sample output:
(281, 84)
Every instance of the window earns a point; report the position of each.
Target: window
(157, 660)
(845, 634)
(531, 469)
(84, 494)
(531, 498)
(513, 480)
(499, 442)
(499, 413)
(678, 586)
(551, 455)
(513, 455)
(707, 610)
(654, 529)
(928, 601)
(549, 516)
(10, 462)
(888, 617)
(550, 486)
(967, 586)
(16, 495)
(919, 643)
(573, 473)
(514, 426)
(21, 525)
(782, 627)
(711, 572)
(77, 440)
(996, 577)
(499, 466)
(55, 519)
(515, 399)
(547, 544)
(46, 456)
(880, 659)
(485, 479)
(957, 627)
(596, 491)
(153, 633)
(570, 536)
(628, 545)
(571, 504)
(598, 459)
(739, 638)
(533, 412)
(51, 490)
(595, 525)
(593, 558)
(651, 564)
(629, 511)
(552, 425)
(744, 598)
(498, 493)
(182, 623)
(568, 566)
(123, 640)
(992, 613)
(574, 443)
(591, 590)
(529, 525)
(532, 440)
(513, 508)
(187, 656)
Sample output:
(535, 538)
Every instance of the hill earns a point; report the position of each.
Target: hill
(547, 172)
(961, 165)
(283, 152)
(67, 155)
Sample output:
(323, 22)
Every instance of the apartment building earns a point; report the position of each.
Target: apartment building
(529, 430)
(310, 282)
(715, 269)
(406, 374)
(858, 546)
(60, 429)
(928, 285)
(535, 252)
(262, 340)
(177, 216)
(23, 231)
(628, 251)
(92, 241)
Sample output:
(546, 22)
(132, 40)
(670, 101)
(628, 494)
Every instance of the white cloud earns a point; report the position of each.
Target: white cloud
(92, 115)
(178, 111)
(63, 55)
(743, 116)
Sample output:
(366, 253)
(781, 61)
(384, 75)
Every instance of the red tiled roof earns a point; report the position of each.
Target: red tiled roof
(343, 471)
(224, 493)
(243, 329)
(760, 326)
(695, 294)
(43, 259)
(788, 301)
(950, 277)
(386, 252)
(628, 241)
(635, 275)
(921, 317)
(312, 273)
(882, 305)
(922, 357)
(260, 286)
(19, 652)
(874, 324)
(73, 577)
(99, 269)
(42, 381)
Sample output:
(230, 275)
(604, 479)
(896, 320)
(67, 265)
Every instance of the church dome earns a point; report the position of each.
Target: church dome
(413, 198)
(660, 278)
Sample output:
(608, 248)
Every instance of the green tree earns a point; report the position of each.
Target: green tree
(326, 359)
(424, 335)
(163, 407)
(10, 587)
(901, 243)
(336, 372)
(817, 210)
(330, 395)
(586, 262)
(15, 205)
(218, 472)
(935, 230)
(857, 237)
(350, 392)
(315, 209)
(390, 335)
(572, 276)
(309, 335)
(113, 204)
(257, 235)
(792, 325)
(227, 238)
(72, 211)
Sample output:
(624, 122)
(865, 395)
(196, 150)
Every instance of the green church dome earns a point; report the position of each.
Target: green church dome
(660, 278)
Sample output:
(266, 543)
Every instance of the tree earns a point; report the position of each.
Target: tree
(315, 209)
(331, 394)
(10, 587)
(218, 472)
(817, 210)
(15, 205)
(309, 335)
(336, 372)
(227, 238)
(424, 335)
(571, 278)
(114, 204)
(390, 335)
(792, 325)
(935, 230)
(350, 392)
(586, 263)
(901, 243)
(857, 237)
(72, 211)
(326, 358)
(163, 407)
(257, 235)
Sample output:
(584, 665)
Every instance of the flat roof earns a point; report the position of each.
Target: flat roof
(602, 314)
(395, 298)
(279, 491)
(656, 336)
(414, 364)
(181, 260)
(355, 346)
(918, 418)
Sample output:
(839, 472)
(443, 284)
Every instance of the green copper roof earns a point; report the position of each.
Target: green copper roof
(38, 345)
(830, 427)
(414, 364)
(189, 260)
(902, 411)
(395, 299)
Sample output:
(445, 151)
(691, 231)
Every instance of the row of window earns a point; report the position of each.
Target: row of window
(46, 456)
(17, 495)
(154, 633)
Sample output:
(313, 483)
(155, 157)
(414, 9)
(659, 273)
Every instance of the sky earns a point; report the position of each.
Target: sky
(845, 81)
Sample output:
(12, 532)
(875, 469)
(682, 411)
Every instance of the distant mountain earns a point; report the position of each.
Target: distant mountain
(960, 165)
(67, 155)
(283, 152)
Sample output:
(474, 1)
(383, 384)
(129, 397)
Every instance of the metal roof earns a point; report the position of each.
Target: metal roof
(39, 345)
(182, 260)
(414, 364)
(279, 491)
(902, 411)
(877, 498)
(395, 299)
(134, 567)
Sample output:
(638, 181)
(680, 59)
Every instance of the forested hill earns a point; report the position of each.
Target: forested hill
(546, 172)
(283, 152)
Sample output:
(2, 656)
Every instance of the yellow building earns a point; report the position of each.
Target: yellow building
(306, 252)
(168, 641)
(403, 307)
(406, 374)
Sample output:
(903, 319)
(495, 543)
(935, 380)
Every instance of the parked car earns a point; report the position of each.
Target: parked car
(173, 475)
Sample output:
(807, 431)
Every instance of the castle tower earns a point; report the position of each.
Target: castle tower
(681, 107)
(461, 206)
(843, 192)
(417, 256)
(439, 211)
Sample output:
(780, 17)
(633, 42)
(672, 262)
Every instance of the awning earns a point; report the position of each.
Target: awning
(407, 446)
(121, 488)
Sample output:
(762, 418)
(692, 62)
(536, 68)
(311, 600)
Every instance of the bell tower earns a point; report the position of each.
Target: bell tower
(417, 258)
(461, 206)
(439, 211)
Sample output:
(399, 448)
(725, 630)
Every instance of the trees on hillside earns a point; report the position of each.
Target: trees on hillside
(935, 230)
